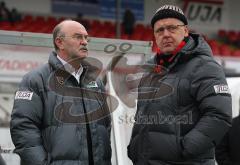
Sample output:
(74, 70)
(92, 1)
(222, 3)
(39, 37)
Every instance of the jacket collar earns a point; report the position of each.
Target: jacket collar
(91, 66)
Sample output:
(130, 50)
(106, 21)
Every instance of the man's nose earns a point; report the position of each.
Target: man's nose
(84, 41)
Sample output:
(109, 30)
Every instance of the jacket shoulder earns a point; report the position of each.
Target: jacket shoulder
(205, 64)
(35, 78)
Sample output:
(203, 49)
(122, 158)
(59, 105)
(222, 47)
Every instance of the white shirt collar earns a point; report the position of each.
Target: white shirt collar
(69, 68)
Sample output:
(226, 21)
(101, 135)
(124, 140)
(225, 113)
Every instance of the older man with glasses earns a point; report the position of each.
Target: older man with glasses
(60, 114)
(188, 110)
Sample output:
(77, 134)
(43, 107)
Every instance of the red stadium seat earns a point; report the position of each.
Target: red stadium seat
(232, 36)
(222, 33)
(236, 53)
(225, 50)
(27, 18)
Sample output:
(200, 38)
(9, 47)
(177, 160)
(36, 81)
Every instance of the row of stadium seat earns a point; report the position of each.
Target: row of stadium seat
(40, 24)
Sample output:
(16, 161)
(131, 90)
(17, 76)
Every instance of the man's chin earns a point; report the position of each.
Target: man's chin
(79, 57)
(83, 55)
(167, 51)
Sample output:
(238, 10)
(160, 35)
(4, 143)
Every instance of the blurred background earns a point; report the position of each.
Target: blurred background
(128, 20)
(217, 20)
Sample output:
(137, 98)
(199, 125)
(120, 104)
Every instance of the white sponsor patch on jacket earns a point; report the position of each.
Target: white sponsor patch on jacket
(221, 89)
(25, 95)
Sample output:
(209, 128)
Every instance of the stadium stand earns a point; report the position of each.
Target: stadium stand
(226, 43)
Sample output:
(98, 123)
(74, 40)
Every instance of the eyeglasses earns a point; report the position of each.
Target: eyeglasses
(78, 37)
(170, 28)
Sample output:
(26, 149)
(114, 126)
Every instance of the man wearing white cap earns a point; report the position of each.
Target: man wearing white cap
(184, 126)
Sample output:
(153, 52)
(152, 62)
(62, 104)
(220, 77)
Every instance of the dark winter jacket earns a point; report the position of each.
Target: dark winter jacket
(49, 125)
(187, 114)
(228, 151)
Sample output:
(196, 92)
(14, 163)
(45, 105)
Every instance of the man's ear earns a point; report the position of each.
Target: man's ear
(59, 42)
(186, 31)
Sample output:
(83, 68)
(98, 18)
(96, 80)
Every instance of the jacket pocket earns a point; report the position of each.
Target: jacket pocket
(163, 146)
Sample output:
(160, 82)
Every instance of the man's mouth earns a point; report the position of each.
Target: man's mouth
(84, 49)
(167, 44)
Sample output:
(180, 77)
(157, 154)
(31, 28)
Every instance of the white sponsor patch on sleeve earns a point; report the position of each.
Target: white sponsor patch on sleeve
(25, 95)
(221, 89)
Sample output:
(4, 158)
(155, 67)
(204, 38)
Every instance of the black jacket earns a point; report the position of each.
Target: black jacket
(187, 114)
(228, 151)
(47, 123)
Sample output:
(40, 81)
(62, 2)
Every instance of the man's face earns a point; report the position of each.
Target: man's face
(169, 33)
(74, 41)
